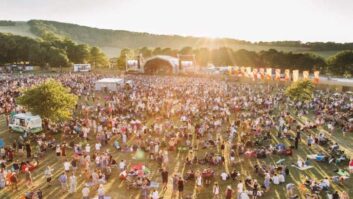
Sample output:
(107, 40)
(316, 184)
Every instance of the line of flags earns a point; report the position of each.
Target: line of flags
(267, 73)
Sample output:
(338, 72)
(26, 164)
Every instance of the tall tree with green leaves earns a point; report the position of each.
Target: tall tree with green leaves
(341, 63)
(50, 100)
(300, 91)
(97, 58)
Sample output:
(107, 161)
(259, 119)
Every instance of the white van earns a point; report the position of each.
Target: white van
(26, 122)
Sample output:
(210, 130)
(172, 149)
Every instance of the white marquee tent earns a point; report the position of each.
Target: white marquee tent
(110, 84)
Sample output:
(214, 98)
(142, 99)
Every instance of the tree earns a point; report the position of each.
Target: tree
(300, 91)
(49, 100)
(341, 63)
(97, 58)
(57, 57)
(146, 52)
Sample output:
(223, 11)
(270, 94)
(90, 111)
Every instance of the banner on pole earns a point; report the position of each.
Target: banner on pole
(295, 75)
(316, 76)
(287, 74)
(254, 71)
(305, 74)
(269, 73)
(262, 73)
(278, 74)
(248, 72)
(242, 71)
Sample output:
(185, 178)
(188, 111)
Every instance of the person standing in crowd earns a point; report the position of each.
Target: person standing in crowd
(155, 194)
(175, 185)
(229, 192)
(63, 181)
(73, 183)
(48, 173)
(100, 192)
(240, 187)
(13, 181)
(28, 149)
(296, 142)
(181, 187)
(85, 192)
(164, 178)
(215, 191)
(29, 179)
(350, 166)
(39, 194)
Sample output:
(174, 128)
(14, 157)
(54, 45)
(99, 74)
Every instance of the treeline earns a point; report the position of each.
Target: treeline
(7, 23)
(48, 51)
(340, 64)
(314, 46)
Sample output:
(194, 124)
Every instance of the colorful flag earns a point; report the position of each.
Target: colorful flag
(287, 74)
(316, 76)
(254, 71)
(262, 73)
(295, 75)
(248, 71)
(268, 73)
(278, 74)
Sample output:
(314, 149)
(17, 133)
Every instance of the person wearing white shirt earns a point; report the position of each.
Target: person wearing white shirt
(98, 146)
(325, 183)
(281, 178)
(88, 148)
(199, 181)
(224, 176)
(240, 187)
(215, 190)
(243, 195)
(101, 192)
(155, 194)
(122, 165)
(73, 183)
(275, 179)
(67, 166)
(85, 192)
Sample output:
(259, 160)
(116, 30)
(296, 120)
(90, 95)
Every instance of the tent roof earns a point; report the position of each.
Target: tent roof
(172, 60)
(27, 116)
(110, 80)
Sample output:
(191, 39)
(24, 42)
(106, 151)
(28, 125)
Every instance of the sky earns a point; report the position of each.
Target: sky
(252, 20)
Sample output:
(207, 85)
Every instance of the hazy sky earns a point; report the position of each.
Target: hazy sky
(306, 20)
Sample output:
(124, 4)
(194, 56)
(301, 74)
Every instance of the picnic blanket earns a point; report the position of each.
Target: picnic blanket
(137, 166)
(303, 168)
(318, 157)
(342, 172)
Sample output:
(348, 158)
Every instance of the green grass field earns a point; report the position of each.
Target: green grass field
(118, 189)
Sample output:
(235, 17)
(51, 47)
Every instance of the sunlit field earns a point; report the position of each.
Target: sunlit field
(118, 189)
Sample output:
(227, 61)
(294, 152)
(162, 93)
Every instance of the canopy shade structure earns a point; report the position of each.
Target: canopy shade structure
(110, 84)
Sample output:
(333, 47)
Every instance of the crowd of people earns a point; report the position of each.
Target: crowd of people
(215, 129)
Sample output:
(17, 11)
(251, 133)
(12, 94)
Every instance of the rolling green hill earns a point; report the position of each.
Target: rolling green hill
(112, 41)
(19, 28)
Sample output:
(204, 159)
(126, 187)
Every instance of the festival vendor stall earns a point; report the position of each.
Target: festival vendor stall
(108, 84)
(23, 122)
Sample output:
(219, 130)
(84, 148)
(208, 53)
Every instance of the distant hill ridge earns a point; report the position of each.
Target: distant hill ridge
(112, 41)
